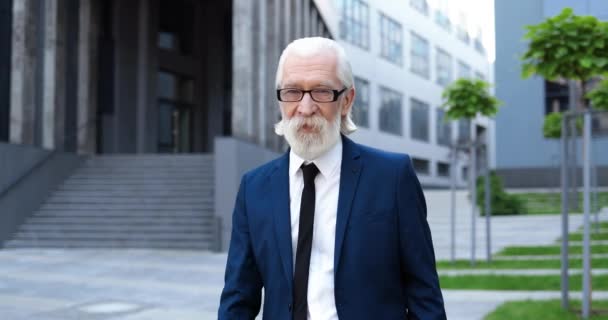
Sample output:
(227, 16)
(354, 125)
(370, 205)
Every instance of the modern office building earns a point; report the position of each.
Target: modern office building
(524, 158)
(404, 53)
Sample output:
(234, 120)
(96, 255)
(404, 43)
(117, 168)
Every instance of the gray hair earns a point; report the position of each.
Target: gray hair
(307, 47)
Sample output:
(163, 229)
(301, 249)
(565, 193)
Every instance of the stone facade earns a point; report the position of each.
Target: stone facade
(84, 75)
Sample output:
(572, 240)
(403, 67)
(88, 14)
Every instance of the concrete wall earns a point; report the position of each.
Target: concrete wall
(232, 159)
(27, 176)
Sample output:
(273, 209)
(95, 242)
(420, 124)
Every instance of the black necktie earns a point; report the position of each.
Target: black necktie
(307, 216)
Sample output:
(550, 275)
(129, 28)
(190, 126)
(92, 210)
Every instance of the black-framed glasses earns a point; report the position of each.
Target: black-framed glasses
(318, 95)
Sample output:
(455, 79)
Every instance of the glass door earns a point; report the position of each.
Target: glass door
(175, 104)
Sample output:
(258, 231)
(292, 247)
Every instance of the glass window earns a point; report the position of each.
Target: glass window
(419, 120)
(556, 96)
(441, 16)
(390, 111)
(421, 166)
(444, 129)
(421, 5)
(361, 107)
(465, 174)
(480, 75)
(443, 169)
(478, 42)
(464, 130)
(420, 56)
(464, 70)
(444, 67)
(461, 29)
(391, 41)
(175, 32)
(172, 87)
(354, 24)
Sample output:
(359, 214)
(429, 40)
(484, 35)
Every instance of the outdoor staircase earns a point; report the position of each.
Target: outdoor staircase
(128, 201)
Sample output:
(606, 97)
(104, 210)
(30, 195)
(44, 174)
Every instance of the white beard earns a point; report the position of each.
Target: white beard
(311, 145)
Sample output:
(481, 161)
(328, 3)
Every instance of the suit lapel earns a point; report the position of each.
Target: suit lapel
(349, 179)
(279, 181)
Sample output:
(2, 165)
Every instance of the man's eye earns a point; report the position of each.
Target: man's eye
(323, 92)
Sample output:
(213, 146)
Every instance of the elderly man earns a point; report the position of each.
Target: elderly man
(331, 229)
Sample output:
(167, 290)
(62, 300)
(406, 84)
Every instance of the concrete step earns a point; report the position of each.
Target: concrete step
(127, 207)
(147, 200)
(136, 212)
(47, 243)
(187, 180)
(120, 220)
(120, 228)
(133, 188)
(113, 236)
(167, 193)
(148, 174)
(129, 201)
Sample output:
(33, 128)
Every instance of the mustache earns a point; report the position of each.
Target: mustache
(316, 122)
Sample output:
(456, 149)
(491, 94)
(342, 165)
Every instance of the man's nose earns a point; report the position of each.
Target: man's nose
(307, 106)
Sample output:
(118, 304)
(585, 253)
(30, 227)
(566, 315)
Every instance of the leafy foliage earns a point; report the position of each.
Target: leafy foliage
(502, 203)
(599, 95)
(465, 98)
(566, 46)
(552, 128)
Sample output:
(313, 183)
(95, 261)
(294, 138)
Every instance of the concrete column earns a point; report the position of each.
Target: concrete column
(314, 22)
(261, 81)
(242, 69)
(6, 25)
(87, 77)
(23, 72)
(306, 18)
(272, 58)
(298, 19)
(143, 74)
(53, 102)
(287, 21)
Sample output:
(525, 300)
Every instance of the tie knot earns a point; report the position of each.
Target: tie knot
(310, 171)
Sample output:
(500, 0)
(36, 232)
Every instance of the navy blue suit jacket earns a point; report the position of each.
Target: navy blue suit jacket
(384, 263)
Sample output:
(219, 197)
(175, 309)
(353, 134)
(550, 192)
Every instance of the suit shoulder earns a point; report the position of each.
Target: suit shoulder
(263, 170)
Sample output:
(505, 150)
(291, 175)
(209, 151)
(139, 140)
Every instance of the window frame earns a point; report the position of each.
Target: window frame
(391, 39)
(355, 16)
(391, 93)
(416, 56)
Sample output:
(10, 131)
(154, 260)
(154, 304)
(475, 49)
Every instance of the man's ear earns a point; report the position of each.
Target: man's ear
(348, 101)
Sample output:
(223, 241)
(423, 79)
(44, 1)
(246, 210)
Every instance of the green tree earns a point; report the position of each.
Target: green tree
(599, 95)
(566, 46)
(465, 98)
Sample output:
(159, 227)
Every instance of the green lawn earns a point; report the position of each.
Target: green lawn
(507, 282)
(546, 310)
(520, 264)
(551, 203)
(548, 250)
(594, 236)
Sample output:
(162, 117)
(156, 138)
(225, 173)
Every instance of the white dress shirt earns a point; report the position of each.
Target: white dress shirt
(321, 300)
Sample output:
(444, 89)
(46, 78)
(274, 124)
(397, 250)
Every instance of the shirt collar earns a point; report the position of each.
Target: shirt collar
(327, 163)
